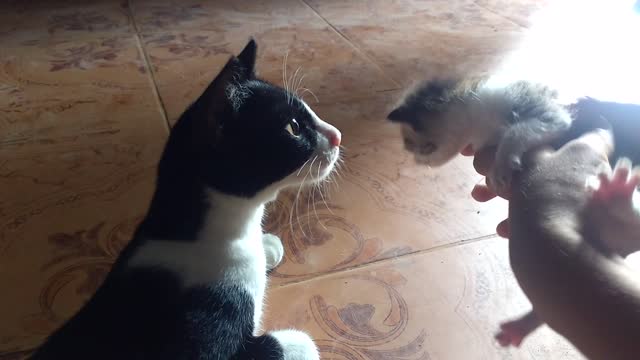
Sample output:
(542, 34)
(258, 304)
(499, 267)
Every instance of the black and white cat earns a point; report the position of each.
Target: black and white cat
(191, 283)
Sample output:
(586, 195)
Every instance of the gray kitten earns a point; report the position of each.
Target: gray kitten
(441, 118)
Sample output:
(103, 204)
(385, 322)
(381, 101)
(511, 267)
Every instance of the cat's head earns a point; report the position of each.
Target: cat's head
(434, 120)
(248, 137)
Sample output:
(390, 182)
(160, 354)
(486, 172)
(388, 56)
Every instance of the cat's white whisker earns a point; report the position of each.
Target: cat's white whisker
(317, 187)
(309, 193)
(284, 75)
(299, 84)
(294, 208)
(312, 161)
(293, 81)
(313, 203)
(302, 167)
(306, 90)
(308, 207)
(325, 201)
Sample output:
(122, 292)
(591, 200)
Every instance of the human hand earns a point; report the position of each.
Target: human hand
(482, 162)
(592, 146)
(556, 250)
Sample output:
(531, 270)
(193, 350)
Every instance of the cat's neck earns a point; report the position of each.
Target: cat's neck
(487, 114)
(230, 216)
(182, 209)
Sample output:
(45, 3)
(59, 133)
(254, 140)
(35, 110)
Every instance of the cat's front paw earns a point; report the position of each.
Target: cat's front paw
(501, 175)
(273, 250)
(296, 345)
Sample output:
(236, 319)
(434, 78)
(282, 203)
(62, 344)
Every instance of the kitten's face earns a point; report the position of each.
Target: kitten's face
(265, 138)
(433, 127)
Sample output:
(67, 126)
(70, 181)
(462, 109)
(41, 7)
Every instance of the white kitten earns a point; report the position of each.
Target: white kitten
(441, 118)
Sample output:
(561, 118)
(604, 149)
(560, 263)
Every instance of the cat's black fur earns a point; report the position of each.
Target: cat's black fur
(231, 142)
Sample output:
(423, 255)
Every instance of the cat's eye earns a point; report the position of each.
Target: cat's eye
(293, 128)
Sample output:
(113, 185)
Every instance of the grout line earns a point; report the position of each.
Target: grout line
(499, 14)
(147, 62)
(346, 38)
(383, 261)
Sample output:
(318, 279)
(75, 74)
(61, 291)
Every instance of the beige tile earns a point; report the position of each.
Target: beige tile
(518, 11)
(381, 206)
(354, 12)
(435, 38)
(89, 84)
(445, 304)
(80, 136)
(56, 250)
(25, 22)
(187, 54)
(220, 15)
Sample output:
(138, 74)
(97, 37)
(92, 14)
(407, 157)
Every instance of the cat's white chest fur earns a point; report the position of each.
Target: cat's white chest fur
(228, 249)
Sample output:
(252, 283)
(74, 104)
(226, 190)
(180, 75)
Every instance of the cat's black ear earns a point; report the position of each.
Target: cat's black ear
(247, 58)
(220, 95)
(402, 114)
(225, 94)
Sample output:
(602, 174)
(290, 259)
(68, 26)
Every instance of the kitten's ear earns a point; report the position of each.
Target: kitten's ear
(402, 114)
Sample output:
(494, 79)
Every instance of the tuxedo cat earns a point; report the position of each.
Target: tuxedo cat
(191, 283)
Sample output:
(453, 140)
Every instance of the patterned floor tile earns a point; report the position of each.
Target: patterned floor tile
(186, 52)
(80, 135)
(24, 22)
(445, 304)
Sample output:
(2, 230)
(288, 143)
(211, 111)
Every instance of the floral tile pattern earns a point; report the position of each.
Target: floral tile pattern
(80, 136)
(389, 261)
(41, 20)
(445, 304)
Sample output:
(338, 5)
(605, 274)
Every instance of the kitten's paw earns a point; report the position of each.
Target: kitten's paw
(512, 333)
(273, 250)
(620, 185)
(296, 345)
(499, 179)
(509, 336)
(615, 207)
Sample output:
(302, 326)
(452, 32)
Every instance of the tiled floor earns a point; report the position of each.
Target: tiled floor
(398, 264)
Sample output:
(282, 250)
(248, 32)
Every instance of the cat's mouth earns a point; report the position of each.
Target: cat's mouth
(332, 157)
(319, 166)
(422, 159)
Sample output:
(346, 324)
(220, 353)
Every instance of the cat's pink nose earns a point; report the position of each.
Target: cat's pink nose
(334, 138)
(329, 131)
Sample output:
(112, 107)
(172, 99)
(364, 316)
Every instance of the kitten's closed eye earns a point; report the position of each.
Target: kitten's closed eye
(428, 148)
(424, 149)
(293, 128)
